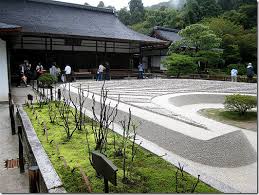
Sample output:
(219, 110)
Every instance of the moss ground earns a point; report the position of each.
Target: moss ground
(248, 121)
(150, 173)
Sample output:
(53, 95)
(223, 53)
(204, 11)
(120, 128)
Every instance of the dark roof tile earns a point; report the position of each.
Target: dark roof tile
(168, 34)
(48, 17)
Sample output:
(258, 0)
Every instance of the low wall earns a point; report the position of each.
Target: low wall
(35, 155)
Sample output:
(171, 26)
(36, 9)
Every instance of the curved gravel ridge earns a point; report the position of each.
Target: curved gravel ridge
(229, 150)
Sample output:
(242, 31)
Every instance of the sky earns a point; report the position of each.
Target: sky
(118, 4)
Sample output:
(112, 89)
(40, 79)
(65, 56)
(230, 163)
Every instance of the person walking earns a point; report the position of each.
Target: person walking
(250, 72)
(100, 72)
(140, 71)
(234, 73)
(68, 72)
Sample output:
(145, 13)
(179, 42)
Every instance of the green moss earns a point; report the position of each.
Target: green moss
(150, 173)
(247, 121)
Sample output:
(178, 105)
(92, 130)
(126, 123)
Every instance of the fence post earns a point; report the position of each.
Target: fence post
(34, 179)
(51, 93)
(21, 159)
(11, 111)
(37, 82)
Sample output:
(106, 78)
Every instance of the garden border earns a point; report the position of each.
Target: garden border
(49, 179)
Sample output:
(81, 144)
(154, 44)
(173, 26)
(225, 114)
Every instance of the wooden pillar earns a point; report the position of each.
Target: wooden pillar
(21, 159)
(21, 42)
(34, 186)
(96, 53)
(51, 48)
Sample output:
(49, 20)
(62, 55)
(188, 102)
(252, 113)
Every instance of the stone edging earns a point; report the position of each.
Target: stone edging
(51, 179)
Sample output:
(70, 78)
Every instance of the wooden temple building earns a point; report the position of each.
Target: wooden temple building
(82, 36)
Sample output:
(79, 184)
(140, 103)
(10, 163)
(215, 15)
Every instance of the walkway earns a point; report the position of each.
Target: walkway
(11, 181)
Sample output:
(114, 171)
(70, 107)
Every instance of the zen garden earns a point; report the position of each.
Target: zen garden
(138, 98)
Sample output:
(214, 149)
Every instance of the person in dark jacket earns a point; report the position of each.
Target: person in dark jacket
(250, 72)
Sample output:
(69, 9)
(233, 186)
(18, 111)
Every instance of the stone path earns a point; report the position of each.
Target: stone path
(11, 181)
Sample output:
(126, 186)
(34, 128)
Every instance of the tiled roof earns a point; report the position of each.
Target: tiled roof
(50, 17)
(167, 34)
(4, 26)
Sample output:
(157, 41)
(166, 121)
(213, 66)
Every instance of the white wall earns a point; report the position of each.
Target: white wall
(162, 66)
(4, 88)
(156, 61)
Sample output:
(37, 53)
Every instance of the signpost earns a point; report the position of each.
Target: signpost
(59, 94)
(30, 98)
(106, 168)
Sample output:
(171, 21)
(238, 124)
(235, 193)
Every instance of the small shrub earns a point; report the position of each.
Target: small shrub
(240, 103)
(178, 64)
(47, 80)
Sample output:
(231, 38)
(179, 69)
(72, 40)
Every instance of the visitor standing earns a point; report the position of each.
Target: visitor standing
(21, 75)
(68, 72)
(39, 70)
(250, 72)
(107, 73)
(140, 71)
(234, 73)
(100, 72)
(53, 70)
(28, 72)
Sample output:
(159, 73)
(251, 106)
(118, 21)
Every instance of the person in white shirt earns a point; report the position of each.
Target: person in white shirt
(68, 73)
(100, 72)
(234, 73)
(53, 70)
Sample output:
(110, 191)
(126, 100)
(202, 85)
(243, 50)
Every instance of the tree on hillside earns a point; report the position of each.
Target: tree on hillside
(196, 10)
(248, 47)
(209, 8)
(250, 12)
(221, 26)
(228, 4)
(233, 4)
(86, 3)
(198, 36)
(166, 18)
(229, 33)
(239, 45)
(137, 11)
(234, 16)
(124, 16)
(101, 4)
(191, 12)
